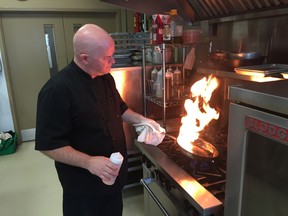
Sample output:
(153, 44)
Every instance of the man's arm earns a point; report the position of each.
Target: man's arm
(132, 117)
(97, 165)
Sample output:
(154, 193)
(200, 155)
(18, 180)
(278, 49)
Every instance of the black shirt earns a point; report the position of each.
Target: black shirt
(74, 109)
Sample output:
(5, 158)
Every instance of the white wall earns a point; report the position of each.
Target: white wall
(6, 121)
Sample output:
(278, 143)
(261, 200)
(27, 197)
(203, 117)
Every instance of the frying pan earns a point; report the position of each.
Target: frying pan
(201, 149)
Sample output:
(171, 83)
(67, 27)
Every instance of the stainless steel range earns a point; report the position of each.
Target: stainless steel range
(176, 183)
(257, 158)
(194, 187)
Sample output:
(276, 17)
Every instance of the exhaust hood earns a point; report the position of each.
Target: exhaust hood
(197, 10)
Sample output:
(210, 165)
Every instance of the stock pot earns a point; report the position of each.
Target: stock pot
(155, 55)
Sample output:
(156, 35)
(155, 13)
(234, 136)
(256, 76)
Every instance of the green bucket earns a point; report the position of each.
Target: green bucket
(8, 146)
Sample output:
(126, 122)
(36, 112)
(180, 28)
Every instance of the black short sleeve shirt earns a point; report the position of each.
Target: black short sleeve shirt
(74, 109)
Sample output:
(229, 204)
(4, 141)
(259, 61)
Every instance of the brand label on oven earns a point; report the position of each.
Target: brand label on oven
(266, 129)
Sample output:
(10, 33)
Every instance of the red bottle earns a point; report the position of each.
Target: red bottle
(137, 18)
(159, 30)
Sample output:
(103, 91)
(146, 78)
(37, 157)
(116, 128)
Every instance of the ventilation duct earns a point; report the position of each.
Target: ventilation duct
(198, 10)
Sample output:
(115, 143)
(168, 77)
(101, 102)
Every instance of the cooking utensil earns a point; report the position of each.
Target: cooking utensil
(201, 149)
(157, 55)
(244, 55)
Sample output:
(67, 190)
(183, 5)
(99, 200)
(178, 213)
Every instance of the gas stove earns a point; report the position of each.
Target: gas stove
(195, 185)
(210, 173)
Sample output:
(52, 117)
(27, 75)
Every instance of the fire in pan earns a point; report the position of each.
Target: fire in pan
(200, 149)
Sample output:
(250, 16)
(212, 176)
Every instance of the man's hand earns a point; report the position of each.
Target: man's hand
(102, 167)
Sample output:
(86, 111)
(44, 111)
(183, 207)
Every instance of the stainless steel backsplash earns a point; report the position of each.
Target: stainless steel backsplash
(267, 35)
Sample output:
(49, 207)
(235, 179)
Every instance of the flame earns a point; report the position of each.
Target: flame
(199, 112)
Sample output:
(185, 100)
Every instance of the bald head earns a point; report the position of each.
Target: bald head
(90, 37)
(91, 42)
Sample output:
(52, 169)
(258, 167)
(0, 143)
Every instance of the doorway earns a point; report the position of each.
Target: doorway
(30, 57)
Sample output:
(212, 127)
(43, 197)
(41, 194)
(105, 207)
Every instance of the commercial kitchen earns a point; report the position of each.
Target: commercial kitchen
(225, 151)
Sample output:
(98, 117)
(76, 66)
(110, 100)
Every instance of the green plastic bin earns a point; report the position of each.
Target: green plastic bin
(8, 146)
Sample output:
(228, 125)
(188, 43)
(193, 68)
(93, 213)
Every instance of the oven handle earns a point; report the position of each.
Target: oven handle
(145, 182)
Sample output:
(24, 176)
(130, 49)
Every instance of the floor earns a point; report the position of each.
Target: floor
(29, 186)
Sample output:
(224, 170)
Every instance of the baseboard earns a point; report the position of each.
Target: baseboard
(28, 134)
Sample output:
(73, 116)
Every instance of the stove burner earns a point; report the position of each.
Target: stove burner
(210, 173)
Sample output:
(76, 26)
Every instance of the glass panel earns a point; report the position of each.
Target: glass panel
(51, 49)
(265, 189)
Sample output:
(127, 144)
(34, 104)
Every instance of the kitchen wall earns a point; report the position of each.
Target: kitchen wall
(68, 6)
(267, 35)
(54, 5)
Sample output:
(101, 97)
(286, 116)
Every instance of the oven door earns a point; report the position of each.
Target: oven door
(257, 163)
(157, 200)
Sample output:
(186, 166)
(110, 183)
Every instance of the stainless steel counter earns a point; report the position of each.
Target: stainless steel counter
(271, 96)
(202, 199)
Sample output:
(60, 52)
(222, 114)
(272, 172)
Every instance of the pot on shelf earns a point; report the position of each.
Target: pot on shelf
(157, 55)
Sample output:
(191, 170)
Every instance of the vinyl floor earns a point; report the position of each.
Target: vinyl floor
(29, 186)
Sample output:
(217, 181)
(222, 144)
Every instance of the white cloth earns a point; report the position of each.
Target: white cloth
(150, 132)
(5, 136)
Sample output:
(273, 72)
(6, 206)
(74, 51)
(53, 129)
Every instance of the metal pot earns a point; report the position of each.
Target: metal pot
(157, 55)
(148, 55)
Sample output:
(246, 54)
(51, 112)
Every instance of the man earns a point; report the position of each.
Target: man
(79, 125)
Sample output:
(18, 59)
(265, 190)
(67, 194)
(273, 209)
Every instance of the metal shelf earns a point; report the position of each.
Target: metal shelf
(130, 40)
(159, 101)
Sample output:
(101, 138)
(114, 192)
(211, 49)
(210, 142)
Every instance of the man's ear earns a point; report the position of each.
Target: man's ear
(84, 58)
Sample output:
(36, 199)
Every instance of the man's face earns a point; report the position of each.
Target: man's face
(100, 63)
